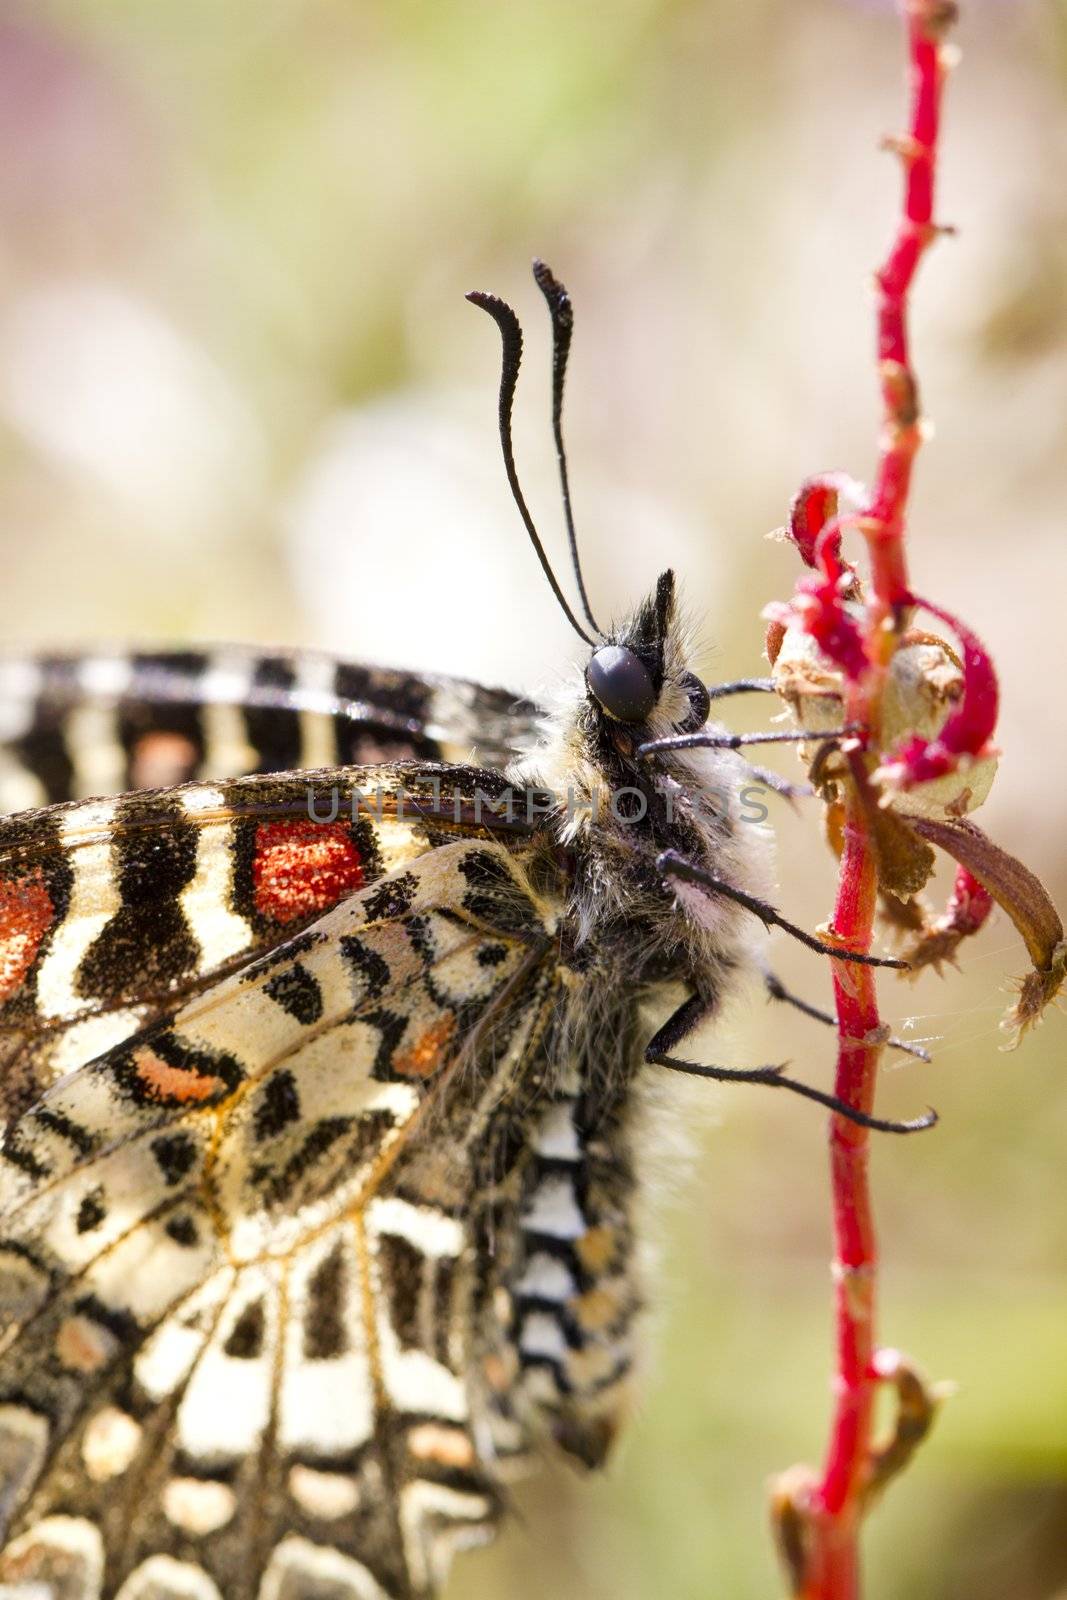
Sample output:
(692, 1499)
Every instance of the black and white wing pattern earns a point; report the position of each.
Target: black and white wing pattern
(292, 1268)
(112, 909)
(78, 725)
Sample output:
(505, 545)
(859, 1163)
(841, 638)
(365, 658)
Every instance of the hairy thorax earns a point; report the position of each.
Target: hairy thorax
(612, 819)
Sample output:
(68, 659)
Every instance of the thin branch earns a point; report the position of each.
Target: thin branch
(823, 1517)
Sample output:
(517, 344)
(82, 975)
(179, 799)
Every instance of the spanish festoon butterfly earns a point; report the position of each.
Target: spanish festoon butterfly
(322, 1043)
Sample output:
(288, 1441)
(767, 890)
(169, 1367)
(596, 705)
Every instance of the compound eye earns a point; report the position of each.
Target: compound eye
(621, 683)
(699, 703)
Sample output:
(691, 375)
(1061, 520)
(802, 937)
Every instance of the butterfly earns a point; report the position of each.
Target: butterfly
(322, 999)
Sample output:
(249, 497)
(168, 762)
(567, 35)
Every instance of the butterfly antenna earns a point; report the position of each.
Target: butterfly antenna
(561, 311)
(511, 351)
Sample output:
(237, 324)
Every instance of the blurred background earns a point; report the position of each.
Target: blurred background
(241, 396)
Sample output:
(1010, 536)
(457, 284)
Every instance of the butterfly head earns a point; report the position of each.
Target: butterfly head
(639, 677)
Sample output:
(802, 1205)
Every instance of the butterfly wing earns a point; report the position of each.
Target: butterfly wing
(249, 1344)
(112, 910)
(73, 726)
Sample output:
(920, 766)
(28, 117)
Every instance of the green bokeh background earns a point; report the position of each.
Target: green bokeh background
(241, 396)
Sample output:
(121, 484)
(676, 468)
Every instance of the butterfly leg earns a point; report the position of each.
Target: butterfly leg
(719, 691)
(776, 990)
(696, 1009)
(765, 778)
(673, 865)
(737, 741)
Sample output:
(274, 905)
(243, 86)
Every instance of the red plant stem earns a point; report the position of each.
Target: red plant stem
(833, 1571)
(836, 1504)
(925, 20)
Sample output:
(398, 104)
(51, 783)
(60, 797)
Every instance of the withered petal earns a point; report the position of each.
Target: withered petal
(1023, 896)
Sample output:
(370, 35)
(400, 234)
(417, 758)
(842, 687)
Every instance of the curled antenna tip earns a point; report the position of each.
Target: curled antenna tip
(554, 292)
(511, 359)
(488, 302)
(561, 312)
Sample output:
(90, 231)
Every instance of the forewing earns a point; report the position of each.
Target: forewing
(111, 911)
(239, 1294)
(75, 726)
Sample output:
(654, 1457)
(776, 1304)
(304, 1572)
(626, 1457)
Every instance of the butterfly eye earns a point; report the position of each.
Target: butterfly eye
(699, 703)
(621, 683)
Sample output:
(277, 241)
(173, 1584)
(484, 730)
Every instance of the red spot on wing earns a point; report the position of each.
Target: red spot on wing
(427, 1054)
(302, 868)
(26, 914)
(170, 1084)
